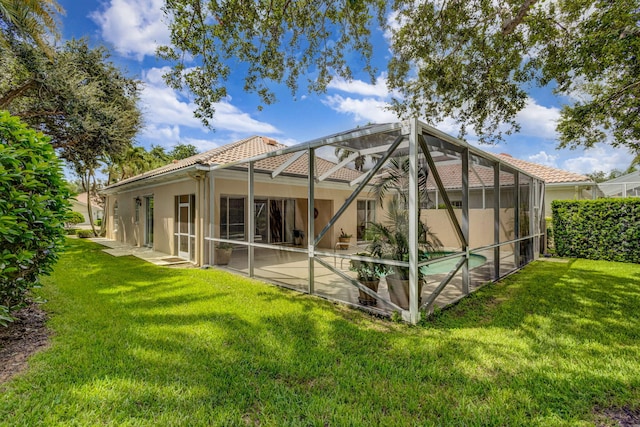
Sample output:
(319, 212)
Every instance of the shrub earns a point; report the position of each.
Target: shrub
(83, 234)
(33, 211)
(73, 218)
(604, 229)
(98, 222)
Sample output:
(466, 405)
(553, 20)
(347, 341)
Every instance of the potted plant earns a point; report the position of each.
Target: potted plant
(344, 237)
(391, 241)
(369, 274)
(223, 253)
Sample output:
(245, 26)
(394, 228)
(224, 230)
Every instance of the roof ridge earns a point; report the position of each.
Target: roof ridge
(223, 148)
(551, 169)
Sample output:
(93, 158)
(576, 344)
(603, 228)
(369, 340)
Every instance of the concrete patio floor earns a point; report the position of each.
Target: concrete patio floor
(118, 249)
(291, 270)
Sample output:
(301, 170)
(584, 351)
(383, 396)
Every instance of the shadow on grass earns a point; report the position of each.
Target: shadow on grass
(139, 344)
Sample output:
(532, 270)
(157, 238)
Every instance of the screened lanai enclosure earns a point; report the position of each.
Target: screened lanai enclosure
(392, 218)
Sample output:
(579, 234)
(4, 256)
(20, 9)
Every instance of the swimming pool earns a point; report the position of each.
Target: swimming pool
(445, 266)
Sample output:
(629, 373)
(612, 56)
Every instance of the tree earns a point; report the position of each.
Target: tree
(73, 218)
(82, 101)
(602, 176)
(635, 163)
(134, 161)
(102, 124)
(597, 176)
(182, 151)
(343, 153)
(159, 155)
(31, 20)
(33, 209)
(137, 160)
(471, 61)
(394, 180)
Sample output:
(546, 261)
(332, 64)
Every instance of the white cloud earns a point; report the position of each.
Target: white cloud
(366, 109)
(203, 145)
(134, 27)
(229, 117)
(599, 158)
(166, 108)
(163, 105)
(545, 159)
(169, 136)
(537, 120)
(369, 102)
(161, 133)
(359, 87)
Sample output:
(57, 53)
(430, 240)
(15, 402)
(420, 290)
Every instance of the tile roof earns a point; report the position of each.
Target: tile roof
(548, 174)
(257, 145)
(244, 149)
(479, 176)
(82, 198)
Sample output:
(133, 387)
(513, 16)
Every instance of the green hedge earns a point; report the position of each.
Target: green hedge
(83, 234)
(605, 229)
(33, 208)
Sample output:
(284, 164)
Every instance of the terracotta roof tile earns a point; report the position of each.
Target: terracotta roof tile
(82, 198)
(479, 176)
(548, 174)
(244, 149)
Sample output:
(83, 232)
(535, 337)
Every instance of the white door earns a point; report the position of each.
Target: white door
(184, 229)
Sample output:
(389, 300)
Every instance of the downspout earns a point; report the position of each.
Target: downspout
(201, 210)
(197, 221)
(199, 177)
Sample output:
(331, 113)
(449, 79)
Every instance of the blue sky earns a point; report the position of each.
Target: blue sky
(132, 29)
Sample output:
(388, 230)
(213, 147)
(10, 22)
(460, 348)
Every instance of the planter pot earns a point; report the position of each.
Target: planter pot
(223, 256)
(297, 241)
(399, 291)
(344, 239)
(366, 299)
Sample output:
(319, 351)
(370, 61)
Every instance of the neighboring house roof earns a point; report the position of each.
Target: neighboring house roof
(548, 174)
(479, 176)
(82, 199)
(247, 148)
(633, 177)
(622, 185)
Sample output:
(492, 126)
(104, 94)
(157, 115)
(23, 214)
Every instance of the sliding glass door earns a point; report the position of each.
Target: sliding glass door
(185, 230)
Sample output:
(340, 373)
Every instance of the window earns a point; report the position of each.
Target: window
(274, 219)
(185, 230)
(115, 217)
(138, 202)
(366, 215)
(232, 218)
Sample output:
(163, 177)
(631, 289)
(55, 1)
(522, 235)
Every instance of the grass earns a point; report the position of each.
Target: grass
(136, 344)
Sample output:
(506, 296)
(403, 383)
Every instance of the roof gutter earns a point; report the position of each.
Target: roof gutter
(569, 183)
(147, 180)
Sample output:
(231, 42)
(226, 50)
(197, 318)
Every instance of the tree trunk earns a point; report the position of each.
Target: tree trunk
(16, 93)
(90, 197)
(86, 186)
(510, 25)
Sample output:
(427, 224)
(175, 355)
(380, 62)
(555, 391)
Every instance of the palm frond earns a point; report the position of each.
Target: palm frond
(32, 20)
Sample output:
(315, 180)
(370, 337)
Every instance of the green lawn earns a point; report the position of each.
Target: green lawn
(136, 344)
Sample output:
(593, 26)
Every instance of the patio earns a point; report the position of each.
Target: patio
(423, 218)
(118, 249)
(417, 192)
(290, 269)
